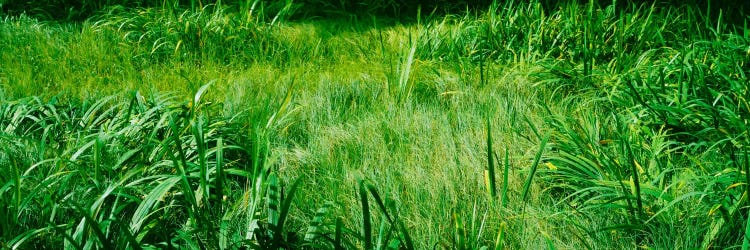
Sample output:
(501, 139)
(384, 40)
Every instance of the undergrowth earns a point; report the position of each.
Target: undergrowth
(224, 126)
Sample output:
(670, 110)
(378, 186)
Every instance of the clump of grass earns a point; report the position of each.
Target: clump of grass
(117, 174)
(668, 111)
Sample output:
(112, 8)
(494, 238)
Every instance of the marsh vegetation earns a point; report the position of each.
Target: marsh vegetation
(312, 124)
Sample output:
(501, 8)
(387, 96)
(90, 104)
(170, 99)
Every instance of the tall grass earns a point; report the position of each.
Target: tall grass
(197, 124)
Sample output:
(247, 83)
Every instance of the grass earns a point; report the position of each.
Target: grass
(519, 126)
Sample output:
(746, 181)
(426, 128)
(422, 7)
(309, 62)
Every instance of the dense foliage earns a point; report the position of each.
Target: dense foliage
(253, 124)
(80, 10)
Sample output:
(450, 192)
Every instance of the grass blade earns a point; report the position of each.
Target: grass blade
(285, 206)
(506, 166)
(316, 226)
(393, 220)
(145, 207)
(532, 171)
(91, 223)
(220, 174)
(489, 173)
(746, 235)
(366, 222)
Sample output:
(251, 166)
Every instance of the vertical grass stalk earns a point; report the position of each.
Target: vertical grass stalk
(506, 166)
(532, 171)
(489, 172)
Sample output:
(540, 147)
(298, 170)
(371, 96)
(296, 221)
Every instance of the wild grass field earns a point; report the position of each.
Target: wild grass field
(307, 125)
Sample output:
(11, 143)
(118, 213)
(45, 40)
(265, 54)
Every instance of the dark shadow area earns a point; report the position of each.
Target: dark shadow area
(732, 12)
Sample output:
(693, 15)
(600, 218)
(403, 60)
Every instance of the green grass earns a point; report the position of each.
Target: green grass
(515, 127)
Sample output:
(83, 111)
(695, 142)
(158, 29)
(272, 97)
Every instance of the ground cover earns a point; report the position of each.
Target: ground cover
(517, 126)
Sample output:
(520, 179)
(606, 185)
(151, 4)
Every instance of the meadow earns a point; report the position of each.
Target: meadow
(308, 125)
